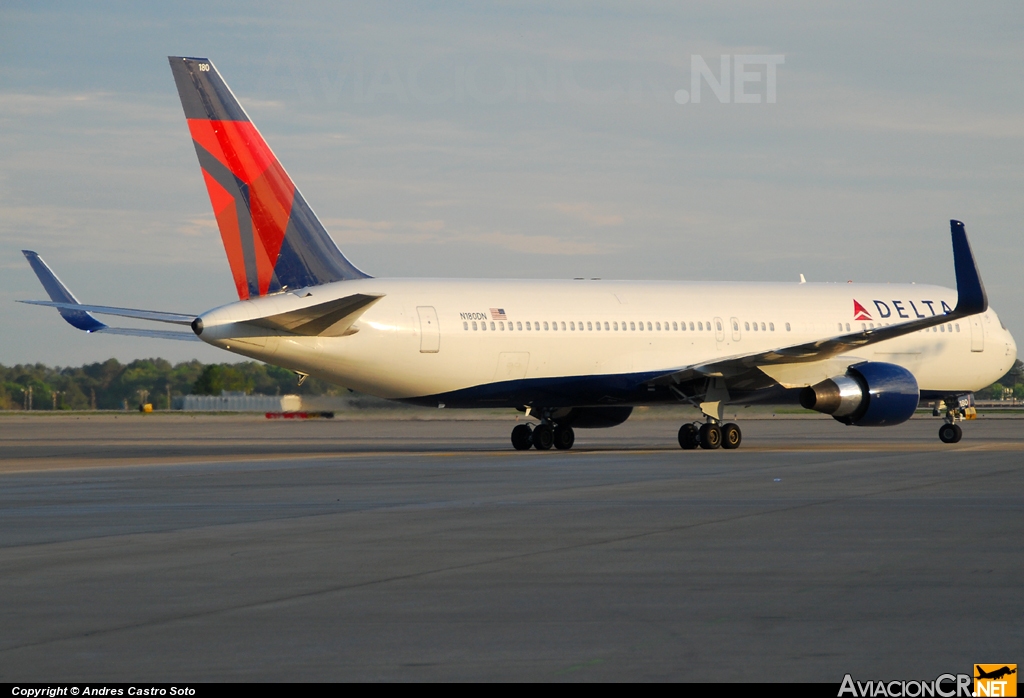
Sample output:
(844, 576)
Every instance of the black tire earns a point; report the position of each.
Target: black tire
(688, 439)
(521, 440)
(959, 433)
(565, 437)
(731, 435)
(950, 433)
(710, 436)
(543, 437)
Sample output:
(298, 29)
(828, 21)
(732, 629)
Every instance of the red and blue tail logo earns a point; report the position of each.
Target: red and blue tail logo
(273, 239)
(860, 312)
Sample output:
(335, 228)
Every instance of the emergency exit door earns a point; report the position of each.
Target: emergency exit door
(430, 332)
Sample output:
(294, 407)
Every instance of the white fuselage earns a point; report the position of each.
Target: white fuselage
(434, 337)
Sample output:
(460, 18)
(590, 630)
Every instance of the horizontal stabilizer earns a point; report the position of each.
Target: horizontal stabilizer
(154, 315)
(78, 315)
(329, 319)
(153, 334)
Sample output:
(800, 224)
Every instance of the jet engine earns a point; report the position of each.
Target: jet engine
(871, 394)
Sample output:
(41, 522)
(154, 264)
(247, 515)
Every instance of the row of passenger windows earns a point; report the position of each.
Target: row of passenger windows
(698, 326)
(613, 326)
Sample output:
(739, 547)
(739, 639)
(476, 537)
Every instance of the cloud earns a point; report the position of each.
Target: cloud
(586, 213)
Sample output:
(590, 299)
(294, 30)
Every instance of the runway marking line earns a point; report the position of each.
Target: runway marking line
(45, 464)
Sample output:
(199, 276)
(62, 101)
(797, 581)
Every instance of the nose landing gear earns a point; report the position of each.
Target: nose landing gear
(957, 408)
(950, 433)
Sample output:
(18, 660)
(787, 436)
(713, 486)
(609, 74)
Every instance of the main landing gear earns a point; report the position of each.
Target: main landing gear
(542, 437)
(710, 435)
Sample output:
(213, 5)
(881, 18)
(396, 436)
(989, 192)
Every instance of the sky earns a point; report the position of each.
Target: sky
(513, 140)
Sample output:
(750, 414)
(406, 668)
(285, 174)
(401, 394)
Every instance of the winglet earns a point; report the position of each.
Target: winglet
(971, 296)
(59, 293)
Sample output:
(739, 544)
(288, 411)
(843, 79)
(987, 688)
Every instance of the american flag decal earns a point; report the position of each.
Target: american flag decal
(498, 314)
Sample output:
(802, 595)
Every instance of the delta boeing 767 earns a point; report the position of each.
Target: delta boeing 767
(570, 354)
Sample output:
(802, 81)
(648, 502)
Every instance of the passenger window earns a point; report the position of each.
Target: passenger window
(545, 325)
(787, 327)
(641, 325)
(597, 326)
(675, 327)
(707, 325)
(755, 327)
(606, 327)
(519, 326)
(700, 326)
(847, 327)
(771, 326)
(492, 327)
(572, 326)
(691, 327)
(718, 326)
(958, 327)
(657, 326)
(615, 327)
(762, 327)
(483, 326)
(632, 326)
(746, 325)
(465, 325)
(501, 326)
(590, 326)
(840, 327)
(474, 324)
(736, 326)
(942, 328)
(554, 327)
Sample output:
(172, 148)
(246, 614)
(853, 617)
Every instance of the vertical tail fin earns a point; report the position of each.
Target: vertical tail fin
(272, 237)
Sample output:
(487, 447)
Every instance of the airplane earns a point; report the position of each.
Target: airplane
(569, 354)
(995, 673)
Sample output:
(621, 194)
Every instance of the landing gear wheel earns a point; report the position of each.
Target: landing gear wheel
(543, 437)
(521, 437)
(688, 438)
(950, 433)
(565, 437)
(731, 435)
(710, 436)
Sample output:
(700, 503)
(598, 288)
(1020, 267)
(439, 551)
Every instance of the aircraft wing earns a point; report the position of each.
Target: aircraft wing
(80, 316)
(971, 300)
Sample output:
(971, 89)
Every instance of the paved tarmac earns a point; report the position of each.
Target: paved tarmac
(170, 548)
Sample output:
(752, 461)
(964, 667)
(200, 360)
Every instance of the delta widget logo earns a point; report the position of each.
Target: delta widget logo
(860, 312)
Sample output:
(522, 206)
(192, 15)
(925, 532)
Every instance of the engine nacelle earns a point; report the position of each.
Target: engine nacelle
(593, 417)
(871, 394)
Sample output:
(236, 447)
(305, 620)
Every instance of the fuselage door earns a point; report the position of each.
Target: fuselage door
(977, 334)
(430, 331)
(719, 330)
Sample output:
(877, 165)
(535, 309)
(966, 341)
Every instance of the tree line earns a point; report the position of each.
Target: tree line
(111, 385)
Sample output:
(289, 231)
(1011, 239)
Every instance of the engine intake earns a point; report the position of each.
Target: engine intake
(871, 394)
